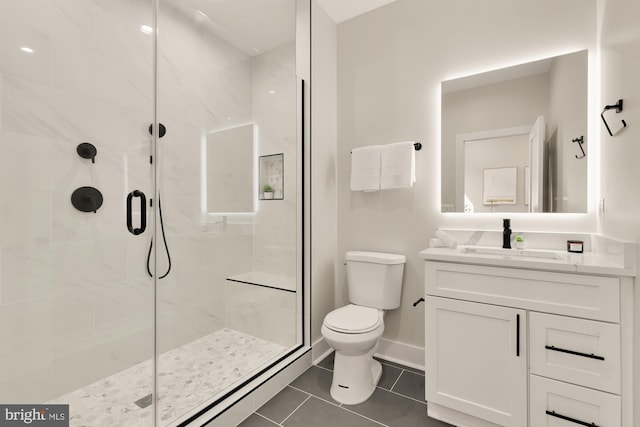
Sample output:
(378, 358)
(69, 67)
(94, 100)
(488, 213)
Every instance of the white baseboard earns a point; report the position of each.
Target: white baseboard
(393, 351)
(398, 352)
(319, 350)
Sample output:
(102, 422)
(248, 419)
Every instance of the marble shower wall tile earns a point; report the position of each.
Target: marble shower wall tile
(35, 109)
(120, 305)
(75, 365)
(14, 34)
(26, 217)
(275, 110)
(204, 80)
(266, 313)
(67, 20)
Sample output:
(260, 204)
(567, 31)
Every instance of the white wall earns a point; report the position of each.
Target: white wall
(323, 168)
(390, 65)
(566, 122)
(620, 43)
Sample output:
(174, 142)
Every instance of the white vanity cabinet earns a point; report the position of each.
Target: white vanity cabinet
(479, 355)
(524, 347)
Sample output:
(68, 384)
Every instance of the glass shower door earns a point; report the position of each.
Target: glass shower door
(228, 96)
(76, 302)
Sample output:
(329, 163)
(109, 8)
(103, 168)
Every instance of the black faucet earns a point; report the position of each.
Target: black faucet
(506, 233)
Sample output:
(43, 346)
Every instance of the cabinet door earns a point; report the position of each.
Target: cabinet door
(476, 359)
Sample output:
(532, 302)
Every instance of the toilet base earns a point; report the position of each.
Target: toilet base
(354, 377)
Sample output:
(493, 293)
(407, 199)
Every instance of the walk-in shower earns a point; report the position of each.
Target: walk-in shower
(88, 315)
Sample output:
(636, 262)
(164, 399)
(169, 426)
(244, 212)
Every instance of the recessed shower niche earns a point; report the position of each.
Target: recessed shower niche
(271, 177)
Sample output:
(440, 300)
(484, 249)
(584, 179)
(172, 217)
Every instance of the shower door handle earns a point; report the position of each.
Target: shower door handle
(143, 212)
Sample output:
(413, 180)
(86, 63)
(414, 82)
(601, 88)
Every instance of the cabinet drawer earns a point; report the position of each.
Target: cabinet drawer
(554, 403)
(583, 352)
(577, 295)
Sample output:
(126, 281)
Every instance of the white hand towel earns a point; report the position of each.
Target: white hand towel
(365, 168)
(398, 165)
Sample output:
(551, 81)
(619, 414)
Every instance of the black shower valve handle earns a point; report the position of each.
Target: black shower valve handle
(87, 199)
(90, 202)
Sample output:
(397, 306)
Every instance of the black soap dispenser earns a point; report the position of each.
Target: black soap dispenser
(506, 233)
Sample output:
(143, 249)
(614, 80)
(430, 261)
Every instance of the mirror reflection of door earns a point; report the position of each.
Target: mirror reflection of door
(483, 155)
(481, 158)
(537, 171)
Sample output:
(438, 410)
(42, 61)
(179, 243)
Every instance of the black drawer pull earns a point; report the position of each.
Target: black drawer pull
(573, 420)
(575, 353)
(517, 335)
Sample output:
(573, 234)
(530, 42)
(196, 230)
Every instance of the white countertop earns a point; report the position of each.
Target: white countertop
(605, 256)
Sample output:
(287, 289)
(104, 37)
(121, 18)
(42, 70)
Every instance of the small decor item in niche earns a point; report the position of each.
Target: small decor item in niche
(272, 177)
(520, 242)
(575, 246)
(267, 192)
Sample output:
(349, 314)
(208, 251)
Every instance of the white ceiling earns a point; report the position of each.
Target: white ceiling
(269, 24)
(341, 10)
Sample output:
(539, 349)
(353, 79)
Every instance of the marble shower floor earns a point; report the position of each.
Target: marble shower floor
(188, 376)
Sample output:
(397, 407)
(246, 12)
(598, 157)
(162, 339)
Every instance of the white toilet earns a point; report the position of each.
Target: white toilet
(374, 281)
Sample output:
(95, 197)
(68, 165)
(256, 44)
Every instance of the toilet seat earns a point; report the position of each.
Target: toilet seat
(353, 319)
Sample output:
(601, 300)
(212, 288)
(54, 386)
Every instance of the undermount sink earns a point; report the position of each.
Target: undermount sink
(525, 253)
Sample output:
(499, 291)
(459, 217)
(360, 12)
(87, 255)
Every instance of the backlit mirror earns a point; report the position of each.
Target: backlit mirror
(515, 139)
(230, 165)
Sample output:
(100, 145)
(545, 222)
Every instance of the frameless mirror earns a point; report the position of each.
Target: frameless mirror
(230, 165)
(512, 138)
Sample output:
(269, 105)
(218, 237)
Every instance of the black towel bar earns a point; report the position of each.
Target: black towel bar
(417, 146)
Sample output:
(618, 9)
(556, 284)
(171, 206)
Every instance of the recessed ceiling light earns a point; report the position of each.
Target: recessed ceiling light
(272, 91)
(202, 13)
(146, 29)
(27, 49)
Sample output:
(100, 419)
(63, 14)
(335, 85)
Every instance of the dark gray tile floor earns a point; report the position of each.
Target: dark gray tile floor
(398, 401)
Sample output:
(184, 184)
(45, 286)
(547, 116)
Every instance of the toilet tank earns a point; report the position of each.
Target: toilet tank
(374, 279)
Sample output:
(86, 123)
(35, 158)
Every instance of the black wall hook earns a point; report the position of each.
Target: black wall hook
(618, 107)
(580, 141)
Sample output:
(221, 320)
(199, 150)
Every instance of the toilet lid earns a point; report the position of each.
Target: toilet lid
(353, 319)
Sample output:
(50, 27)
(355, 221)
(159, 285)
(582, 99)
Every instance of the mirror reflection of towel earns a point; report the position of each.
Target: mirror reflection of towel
(398, 165)
(365, 168)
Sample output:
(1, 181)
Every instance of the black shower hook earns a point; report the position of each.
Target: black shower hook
(580, 141)
(618, 108)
